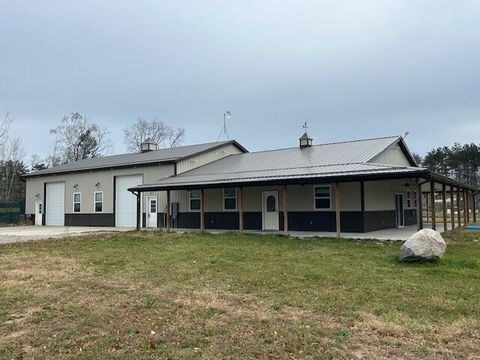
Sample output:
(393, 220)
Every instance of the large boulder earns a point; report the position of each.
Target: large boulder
(424, 245)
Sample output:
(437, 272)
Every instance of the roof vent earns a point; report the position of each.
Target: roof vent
(148, 145)
(305, 141)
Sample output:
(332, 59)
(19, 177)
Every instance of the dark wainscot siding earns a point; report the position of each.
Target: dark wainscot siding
(379, 220)
(410, 217)
(90, 220)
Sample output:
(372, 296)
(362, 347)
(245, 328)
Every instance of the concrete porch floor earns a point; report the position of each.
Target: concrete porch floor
(401, 234)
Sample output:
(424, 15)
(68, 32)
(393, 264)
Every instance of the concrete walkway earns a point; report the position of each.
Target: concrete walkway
(401, 234)
(26, 233)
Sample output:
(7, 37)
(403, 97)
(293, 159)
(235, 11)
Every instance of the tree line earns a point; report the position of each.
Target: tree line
(75, 138)
(460, 162)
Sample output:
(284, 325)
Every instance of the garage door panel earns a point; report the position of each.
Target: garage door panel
(125, 201)
(55, 204)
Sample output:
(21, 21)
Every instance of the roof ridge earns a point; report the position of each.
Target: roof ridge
(329, 143)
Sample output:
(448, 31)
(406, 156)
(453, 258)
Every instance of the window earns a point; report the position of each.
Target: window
(409, 199)
(40, 208)
(230, 199)
(77, 202)
(271, 203)
(153, 206)
(98, 201)
(415, 199)
(322, 197)
(194, 200)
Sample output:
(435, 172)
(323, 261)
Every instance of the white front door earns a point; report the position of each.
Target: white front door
(270, 210)
(152, 212)
(38, 212)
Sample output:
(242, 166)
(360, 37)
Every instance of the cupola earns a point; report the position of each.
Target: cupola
(148, 145)
(305, 141)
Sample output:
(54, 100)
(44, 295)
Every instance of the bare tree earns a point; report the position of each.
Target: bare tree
(155, 130)
(79, 138)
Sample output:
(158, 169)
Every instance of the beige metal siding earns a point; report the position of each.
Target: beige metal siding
(207, 157)
(86, 185)
(300, 198)
(380, 195)
(393, 155)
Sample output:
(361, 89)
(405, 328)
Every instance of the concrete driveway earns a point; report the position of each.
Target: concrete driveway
(26, 233)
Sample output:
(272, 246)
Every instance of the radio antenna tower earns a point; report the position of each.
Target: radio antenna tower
(226, 116)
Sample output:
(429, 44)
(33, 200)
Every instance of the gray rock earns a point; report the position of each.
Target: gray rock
(424, 245)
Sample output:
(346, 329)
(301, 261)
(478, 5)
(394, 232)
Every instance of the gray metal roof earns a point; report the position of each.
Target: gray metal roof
(319, 161)
(132, 159)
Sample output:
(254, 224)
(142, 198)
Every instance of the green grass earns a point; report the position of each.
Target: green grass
(152, 295)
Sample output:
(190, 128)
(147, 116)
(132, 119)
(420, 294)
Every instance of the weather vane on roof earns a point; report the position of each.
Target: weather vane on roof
(226, 116)
(305, 126)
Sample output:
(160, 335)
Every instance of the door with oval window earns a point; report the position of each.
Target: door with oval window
(270, 210)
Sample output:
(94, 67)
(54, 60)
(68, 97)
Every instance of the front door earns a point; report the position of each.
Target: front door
(399, 213)
(270, 210)
(38, 212)
(152, 212)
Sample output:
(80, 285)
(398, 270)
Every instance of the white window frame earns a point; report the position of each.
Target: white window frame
(315, 198)
(95, 201)
(236, 199)
(408, 197)
(190, 200)
(76, 202)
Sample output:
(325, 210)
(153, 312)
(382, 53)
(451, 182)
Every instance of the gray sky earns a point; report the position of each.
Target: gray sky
(353, 69)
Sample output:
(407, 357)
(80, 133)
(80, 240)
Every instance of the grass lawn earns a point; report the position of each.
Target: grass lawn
(167, 296)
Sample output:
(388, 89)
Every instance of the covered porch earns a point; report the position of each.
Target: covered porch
(423, 199)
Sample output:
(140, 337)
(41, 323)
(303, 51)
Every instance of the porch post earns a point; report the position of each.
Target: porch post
(138, 209)
(419, 206)
(240, 208)
(444, 204)
(452, 207)
(432, 200)
(168, 211)
(467, 205)
(337, 209)
(474, 208)
(285, 209)
(426, 203)
(459, 208)
(464, 208)
(202, 209)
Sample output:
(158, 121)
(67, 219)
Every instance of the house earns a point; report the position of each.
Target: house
(352, 186)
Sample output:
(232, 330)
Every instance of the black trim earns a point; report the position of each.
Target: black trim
(95, 219)
(114, 199)
(362, 203)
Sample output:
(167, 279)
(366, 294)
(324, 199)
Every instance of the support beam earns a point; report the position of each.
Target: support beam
(432, 204)
(467, 205)
(452, 207)
(419, 206)
(202, 210)
(169, 209)
(285, 209)
(139, 209)
(474, 208)
(464, 208)
(337, 209)
(444, 205)
(426, 205)
(459, 208)
(240, 209)
(362, 204)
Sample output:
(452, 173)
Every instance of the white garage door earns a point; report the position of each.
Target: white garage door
(55, 204)
(125, 201)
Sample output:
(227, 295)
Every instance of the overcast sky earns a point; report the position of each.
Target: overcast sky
(352, 69)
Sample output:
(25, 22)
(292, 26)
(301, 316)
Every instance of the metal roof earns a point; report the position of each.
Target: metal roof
(133, 159)
(320, 161)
